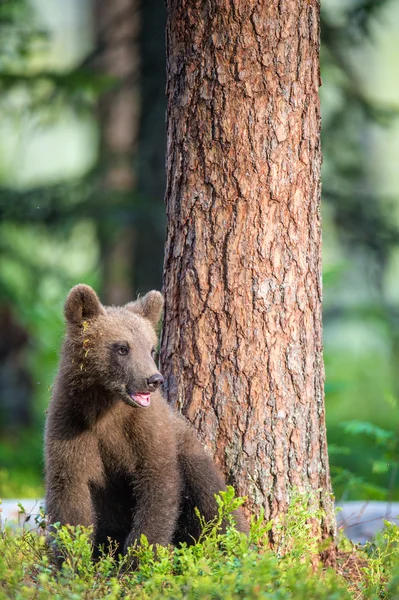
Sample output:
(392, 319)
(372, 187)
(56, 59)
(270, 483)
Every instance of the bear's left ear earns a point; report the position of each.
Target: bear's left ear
(149, 306)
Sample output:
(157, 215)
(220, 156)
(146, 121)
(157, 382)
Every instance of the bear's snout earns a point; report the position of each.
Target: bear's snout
(155, 381)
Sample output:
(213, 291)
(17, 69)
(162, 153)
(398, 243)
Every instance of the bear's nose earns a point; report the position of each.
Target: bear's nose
(155, 381)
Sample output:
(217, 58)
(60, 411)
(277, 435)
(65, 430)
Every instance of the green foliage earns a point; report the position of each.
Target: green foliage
(41, 91)
(19, 478)
(381, 436)
(19, 32)
(222, 566)
(362, 218)
(384, 461)
(382, 571)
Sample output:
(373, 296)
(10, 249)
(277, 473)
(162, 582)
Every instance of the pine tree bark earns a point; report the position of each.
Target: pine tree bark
(242, 335)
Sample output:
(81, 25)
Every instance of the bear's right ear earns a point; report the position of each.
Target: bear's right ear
(82, 303)
(149, 306)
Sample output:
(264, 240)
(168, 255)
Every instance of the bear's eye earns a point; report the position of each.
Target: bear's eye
(123, 350)
(154, 353)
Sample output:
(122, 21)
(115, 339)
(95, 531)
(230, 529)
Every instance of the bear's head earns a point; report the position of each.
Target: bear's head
(113, 347)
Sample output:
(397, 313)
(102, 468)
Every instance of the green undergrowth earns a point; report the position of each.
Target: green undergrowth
(220, 566)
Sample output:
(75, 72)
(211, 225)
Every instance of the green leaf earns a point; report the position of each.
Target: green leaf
(380, 435)
(333, 450)
(380, 466)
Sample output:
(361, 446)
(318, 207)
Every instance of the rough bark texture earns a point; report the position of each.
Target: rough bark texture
(242, 339)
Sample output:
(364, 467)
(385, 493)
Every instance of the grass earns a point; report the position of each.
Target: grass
(221, 566)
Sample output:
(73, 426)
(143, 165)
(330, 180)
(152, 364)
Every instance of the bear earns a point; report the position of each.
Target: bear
(118, 457)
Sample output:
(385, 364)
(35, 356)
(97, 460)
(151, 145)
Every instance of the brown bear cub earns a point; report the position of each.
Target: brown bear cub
(117, 456)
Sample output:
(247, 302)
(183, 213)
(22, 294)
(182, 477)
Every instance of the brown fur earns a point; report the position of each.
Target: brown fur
(122, 468)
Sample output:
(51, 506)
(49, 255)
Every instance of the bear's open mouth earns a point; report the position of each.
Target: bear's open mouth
(139, 399)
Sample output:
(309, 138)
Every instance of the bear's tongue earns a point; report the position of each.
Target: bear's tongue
(142, 399)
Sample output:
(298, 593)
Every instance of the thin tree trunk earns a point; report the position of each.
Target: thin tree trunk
(16, 386)
(242, 338)
(118, 26)
(131, 43)
(150, 236)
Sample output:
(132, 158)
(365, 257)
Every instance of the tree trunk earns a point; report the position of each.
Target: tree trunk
(242, 337)
(117, 26)
(131, 45)
(16, 386)
(150, 235)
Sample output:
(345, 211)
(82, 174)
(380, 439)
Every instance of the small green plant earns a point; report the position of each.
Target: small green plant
(382, 571)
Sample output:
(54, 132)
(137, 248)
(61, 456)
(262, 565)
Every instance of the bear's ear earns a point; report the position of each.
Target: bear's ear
(82, 303)
(149, 306)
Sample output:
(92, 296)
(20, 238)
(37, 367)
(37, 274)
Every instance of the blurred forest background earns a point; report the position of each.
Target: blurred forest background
(82, 150)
